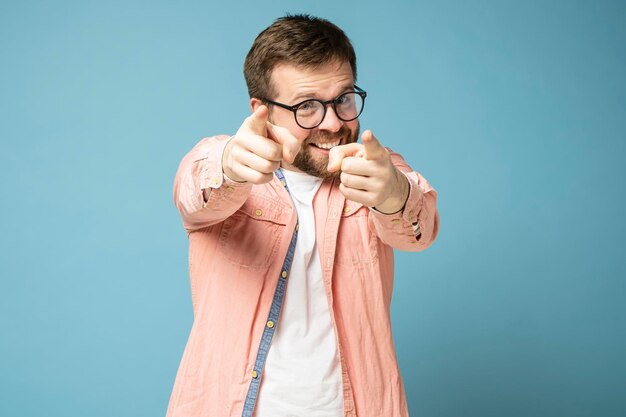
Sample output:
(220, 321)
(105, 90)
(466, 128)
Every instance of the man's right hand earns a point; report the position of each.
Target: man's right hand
(257, 149)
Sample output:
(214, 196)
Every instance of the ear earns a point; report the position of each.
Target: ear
(254, 104)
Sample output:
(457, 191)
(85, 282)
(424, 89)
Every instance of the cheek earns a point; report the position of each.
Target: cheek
(354, 125)
(290, 124)
(299, 133)
(354, 128)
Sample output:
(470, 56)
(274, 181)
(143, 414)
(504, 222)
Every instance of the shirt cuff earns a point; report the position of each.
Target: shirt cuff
(408, 217)
(214, 183)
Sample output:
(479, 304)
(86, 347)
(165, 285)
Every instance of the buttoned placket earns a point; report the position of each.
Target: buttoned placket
(272, 319)
(336, 203)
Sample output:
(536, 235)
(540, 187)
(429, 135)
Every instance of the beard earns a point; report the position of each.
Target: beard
(317, 165)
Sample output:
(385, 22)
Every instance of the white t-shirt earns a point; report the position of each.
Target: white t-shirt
(302, 375)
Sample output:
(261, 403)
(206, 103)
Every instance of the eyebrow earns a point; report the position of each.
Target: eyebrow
(314, 96)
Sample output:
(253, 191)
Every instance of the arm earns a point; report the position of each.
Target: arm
(403, 206)
(215, 178)
(202, 194)
(415, 226)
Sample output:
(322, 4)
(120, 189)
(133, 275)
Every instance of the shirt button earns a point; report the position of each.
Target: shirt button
(297, 227)
(255, 374)
(270, 324)
(230, 189)
(258, 212)
(347, 210)
(283, 274)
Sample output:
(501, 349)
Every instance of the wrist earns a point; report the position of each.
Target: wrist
(226, 171)
(399, 196)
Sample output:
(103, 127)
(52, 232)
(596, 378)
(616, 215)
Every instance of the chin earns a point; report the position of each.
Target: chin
(316, 167)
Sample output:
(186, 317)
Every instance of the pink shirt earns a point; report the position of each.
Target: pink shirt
(238, 239)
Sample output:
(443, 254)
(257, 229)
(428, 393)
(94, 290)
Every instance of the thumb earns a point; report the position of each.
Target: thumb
(373, 148)
(291, 145)
(257, 120)
(338, 153)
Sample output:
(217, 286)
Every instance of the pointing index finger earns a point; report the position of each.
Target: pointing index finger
(373, 148)
(256, 122)
(338, 153)
(291, 145)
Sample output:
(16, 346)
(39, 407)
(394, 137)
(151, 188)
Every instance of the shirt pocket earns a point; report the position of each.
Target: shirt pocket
(250, 238)
(356, 242)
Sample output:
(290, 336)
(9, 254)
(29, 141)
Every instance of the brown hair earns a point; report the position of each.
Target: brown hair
(301, 40)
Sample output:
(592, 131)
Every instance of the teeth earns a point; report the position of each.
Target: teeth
(327, 145)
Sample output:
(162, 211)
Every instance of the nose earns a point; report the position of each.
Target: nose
(331, 122)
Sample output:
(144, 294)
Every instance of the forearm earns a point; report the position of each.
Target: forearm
(416, 225)
(202, 194)
(398, 195)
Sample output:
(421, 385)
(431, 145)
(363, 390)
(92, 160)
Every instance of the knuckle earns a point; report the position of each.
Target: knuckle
(269, 166)
(276, 151)
(269, 150)
(240, 141)
(233, 153)
(257, 178)
(232, 145)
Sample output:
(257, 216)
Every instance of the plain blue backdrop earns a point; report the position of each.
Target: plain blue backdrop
(514, 111)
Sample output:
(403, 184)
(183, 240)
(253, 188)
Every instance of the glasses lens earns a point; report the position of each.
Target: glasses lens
(310, 113)
(349, 106)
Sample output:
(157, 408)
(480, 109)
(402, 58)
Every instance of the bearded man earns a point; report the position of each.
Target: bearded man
(292, 224)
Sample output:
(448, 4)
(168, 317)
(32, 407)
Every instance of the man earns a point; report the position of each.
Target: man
(291, 227)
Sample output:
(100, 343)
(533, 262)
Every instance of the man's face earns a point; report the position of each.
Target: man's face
(295, 85)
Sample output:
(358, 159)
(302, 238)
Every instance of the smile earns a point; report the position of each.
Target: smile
(327, 145)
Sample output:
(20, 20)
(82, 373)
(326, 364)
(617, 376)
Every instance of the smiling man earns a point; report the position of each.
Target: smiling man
(292, 224)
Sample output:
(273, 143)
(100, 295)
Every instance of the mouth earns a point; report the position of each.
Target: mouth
(325, 145)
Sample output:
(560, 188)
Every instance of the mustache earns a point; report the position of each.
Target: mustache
(324, 136)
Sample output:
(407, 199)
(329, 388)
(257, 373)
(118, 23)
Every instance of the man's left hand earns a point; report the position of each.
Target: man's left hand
(368, 176)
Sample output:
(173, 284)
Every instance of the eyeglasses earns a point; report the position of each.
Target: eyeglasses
(309, 114)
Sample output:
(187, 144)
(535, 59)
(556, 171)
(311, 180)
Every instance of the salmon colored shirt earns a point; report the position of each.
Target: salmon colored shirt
(238, 239)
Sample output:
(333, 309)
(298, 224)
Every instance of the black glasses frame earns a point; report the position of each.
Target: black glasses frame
(325, 104)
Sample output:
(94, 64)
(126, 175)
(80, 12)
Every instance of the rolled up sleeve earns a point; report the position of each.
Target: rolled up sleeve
(416, 226)
(203, 195)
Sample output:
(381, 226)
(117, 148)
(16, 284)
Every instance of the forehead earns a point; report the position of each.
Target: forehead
(325, 82)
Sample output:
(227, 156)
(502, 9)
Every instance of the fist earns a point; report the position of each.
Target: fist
(368, 176)
(257, 149)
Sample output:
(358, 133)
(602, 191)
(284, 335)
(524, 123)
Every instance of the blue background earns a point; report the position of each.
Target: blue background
(515, 112)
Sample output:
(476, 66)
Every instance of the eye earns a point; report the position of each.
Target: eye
(306, 106)
(345, 99)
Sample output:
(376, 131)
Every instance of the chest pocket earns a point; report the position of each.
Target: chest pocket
(356, 242)
(250, 237)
